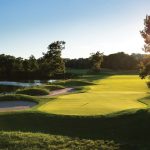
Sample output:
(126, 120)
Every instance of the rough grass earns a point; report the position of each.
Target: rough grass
(9, 88)
(52, 87)
(17, 97)
(73, 83)
(78, 71)
(148, 84)
(33, 91)
(38, 141)
(108, 95)
(129, 129)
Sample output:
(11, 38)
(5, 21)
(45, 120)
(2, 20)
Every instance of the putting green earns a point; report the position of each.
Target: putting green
(111, 94)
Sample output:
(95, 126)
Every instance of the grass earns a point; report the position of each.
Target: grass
(17, 97)
(9, 88)
(33, 91)
(129, 129)
(77, 71)
(105, 107)
(107, 95)
(148, 84)
(73, 83)
(38, 141)
(52, 87)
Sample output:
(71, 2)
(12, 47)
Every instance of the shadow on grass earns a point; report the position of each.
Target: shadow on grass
(94, 77)
(122, 127)
(74, 83)
(130, 126)
(145, 100)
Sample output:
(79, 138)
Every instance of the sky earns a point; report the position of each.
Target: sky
(29, 26)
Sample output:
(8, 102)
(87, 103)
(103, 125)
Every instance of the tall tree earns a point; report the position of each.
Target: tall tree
(145, 65)
(53, 60)
(146, 34)
(96, 60)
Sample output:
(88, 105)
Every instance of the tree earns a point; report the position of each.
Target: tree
(145, 65)
(80, 63)
(52, 59)
(96, 60)
(45, 67)
(146, 34)
(120, 61)
(33, 65)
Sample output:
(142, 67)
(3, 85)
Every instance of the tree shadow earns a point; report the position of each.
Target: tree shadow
(121, 127)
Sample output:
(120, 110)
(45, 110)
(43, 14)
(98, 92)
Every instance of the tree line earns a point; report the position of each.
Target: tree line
(52, 65)
(48, 66)
(116, 61)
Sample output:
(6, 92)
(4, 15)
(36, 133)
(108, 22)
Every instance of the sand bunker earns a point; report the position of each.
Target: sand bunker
(15, 105)
(61, 91)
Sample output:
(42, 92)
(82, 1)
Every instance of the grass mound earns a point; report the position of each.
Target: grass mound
(53, 87)
(81, 89)
(9, 88)
(17, 97)
(33, 91)
(38, 141)
(70, 83)
(130, 130)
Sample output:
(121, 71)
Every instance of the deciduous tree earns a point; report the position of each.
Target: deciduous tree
(52, 58)
(96, 60)
(145, 65)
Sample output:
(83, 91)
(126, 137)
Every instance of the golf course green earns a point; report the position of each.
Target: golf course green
(111, 108)
(106, 94)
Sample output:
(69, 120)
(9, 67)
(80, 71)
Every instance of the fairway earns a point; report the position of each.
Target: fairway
(108, 95)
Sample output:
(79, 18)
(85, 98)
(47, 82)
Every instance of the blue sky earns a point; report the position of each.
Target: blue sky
(29, 26)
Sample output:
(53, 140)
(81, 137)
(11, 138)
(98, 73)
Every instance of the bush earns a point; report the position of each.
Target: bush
(148, 84)
(33, 91)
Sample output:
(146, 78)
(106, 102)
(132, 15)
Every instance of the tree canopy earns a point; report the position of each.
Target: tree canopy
(145, 64)
(96, 61)
(116, 61)
(52, 59)
(146, 34)
(45, 67)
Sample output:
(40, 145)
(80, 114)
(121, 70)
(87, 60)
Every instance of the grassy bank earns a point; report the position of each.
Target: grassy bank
(17, 97)
(9, 88)
(130, 129)
(33, 91)
(38, 141)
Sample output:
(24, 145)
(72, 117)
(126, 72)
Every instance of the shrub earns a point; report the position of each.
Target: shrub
(33, 91)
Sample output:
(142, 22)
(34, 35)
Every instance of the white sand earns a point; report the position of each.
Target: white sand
(62, 91)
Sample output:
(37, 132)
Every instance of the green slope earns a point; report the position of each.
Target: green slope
(108, 95)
